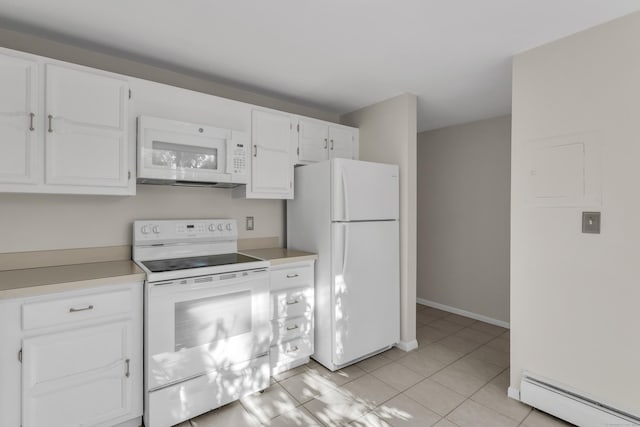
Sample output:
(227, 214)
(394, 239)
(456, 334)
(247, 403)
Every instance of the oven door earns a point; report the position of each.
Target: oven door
(199, 325)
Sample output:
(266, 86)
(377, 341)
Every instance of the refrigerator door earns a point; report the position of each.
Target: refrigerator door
(366, 288)
(364, 191)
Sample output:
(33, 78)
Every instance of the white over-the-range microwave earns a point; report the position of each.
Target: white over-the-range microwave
(180, 153)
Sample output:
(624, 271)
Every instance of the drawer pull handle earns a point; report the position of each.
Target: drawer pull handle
(293, 301)
(50, 117)
(31, 117)
(75, 310)
(291, 276)
(293, 349)
(291, 328)
(128, 364)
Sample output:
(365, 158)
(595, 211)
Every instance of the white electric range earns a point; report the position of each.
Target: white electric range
(207, 329)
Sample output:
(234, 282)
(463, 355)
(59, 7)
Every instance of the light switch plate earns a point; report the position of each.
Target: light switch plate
(249, 223)
(591, 222)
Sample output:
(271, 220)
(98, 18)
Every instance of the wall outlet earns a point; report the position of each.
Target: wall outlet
(591, 222)
(249, 223)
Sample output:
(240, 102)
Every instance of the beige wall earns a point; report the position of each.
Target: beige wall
(574, 296)
(30, 222)
(388, 134)
(65, 52)
(463, 218)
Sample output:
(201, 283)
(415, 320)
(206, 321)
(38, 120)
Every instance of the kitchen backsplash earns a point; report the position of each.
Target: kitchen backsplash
(35, 222)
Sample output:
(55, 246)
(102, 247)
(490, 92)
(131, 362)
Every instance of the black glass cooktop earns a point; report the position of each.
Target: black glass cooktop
(160, 265)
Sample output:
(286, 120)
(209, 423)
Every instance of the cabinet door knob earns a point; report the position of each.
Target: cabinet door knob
(31, 117)
(50, 123)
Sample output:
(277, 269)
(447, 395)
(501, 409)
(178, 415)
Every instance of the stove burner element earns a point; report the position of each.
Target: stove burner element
(160, 265)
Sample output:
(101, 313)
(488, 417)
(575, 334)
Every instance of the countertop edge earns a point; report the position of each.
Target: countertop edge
(291, 260)
(51, 288)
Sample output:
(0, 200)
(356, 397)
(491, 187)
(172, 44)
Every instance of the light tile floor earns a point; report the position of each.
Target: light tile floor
(457, 377)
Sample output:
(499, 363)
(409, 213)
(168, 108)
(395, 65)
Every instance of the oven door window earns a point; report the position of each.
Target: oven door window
(217, 319)
(176, 156)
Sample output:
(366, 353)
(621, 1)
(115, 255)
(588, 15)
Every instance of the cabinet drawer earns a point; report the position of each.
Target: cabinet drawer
(292, 277)
(75, 309)
(292, 303)
(290, 351)
(289, 328)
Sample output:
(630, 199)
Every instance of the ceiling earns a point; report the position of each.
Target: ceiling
(337, 55)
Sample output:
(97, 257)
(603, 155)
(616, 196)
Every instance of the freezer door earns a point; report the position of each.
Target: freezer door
(366, 288)
(364, 191)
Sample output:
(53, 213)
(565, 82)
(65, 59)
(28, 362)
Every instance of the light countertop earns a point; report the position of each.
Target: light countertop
(37, 281)
(279, 256)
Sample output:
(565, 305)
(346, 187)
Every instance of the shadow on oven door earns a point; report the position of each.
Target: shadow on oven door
(199, 325)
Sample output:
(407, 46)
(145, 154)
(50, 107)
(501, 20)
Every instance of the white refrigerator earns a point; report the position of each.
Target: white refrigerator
(347, 212)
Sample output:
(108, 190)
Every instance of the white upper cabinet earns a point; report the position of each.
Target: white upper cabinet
(86, 136)
(313, 140)
(67, 120)
(18, 111)
(318, 140)
(272, 134)
(343, 142)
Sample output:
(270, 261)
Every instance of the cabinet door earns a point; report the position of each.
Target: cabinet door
(86, 121)
(342, 142)
(271, 161)
(313, 141)
(18, 120)
(77, 378)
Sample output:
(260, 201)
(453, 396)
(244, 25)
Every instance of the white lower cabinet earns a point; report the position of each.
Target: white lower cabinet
(78, 356)
(292, 308)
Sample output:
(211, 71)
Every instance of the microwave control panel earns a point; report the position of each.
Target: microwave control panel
(237, 158)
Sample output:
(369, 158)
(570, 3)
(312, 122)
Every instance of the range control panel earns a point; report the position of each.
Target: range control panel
(184, 230)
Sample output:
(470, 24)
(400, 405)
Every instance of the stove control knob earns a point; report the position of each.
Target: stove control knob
(229, 227)
(145, 229)
(156, 229)
(220, 227)
(212, 227)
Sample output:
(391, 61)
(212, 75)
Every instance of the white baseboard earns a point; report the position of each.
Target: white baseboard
(407, 345)
(465, 313)
(513, 393)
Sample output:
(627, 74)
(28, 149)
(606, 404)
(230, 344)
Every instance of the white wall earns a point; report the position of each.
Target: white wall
(463, 217)
(574, 296)
(30, 222)
(388, 134)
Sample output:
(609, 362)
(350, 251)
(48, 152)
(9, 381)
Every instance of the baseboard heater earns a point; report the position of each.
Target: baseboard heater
(570, 406)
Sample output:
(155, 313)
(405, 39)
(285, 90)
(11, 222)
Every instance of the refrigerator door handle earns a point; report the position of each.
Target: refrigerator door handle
(345, 196)
(345, 249)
